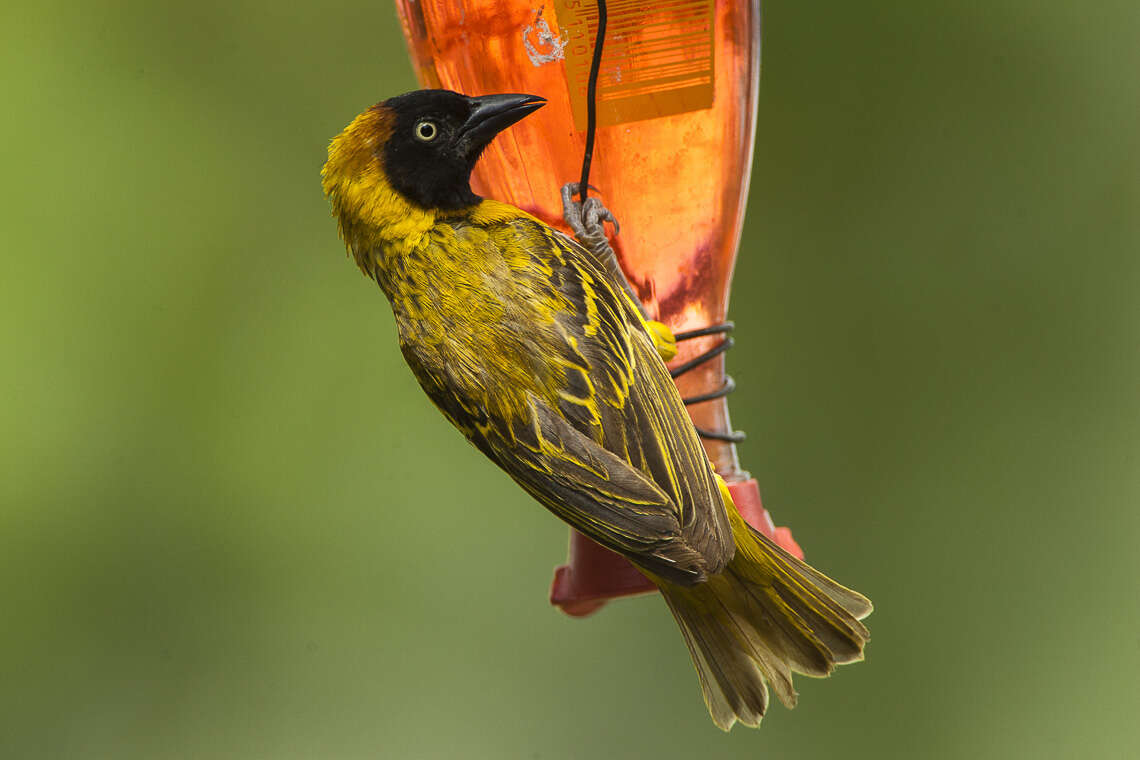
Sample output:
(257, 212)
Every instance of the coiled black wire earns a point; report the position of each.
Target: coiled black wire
(731, 436)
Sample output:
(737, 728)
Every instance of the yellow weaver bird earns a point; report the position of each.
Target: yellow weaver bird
(537, 354)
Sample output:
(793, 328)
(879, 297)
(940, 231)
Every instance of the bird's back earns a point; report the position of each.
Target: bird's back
(499, 314)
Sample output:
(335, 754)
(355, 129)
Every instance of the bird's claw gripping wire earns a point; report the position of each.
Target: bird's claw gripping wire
(588, 220)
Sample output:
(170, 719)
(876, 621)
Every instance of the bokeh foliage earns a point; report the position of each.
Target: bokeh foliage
(232, 527)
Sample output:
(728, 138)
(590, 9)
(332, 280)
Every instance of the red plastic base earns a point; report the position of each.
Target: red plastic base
(594, 575)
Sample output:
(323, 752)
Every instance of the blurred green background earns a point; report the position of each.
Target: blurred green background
(232, 527)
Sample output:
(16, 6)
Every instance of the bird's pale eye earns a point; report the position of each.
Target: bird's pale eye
(426, 130)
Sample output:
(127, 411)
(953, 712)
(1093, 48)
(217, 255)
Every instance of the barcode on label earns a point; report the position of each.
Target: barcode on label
(657, 59)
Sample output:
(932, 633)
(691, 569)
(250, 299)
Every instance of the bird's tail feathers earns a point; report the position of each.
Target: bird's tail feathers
(768, 615)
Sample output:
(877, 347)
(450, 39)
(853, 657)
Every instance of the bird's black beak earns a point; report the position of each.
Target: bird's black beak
(491, 114)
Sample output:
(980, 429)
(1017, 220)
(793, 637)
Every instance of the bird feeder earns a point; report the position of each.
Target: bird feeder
(675, 110)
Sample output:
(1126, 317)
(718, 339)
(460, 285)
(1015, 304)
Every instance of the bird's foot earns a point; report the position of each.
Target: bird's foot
(588, 219)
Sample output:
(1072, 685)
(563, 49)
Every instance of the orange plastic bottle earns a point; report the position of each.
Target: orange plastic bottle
(676, 118)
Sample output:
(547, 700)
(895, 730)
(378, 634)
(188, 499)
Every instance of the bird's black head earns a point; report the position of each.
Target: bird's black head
(436, 137)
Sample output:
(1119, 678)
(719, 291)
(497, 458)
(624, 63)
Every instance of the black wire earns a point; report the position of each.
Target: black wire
(715, 351)
(728, 387)
(736, 436)
(723, 327)
(591, 105)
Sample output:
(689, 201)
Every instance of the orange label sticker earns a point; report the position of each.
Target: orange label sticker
(657, 59)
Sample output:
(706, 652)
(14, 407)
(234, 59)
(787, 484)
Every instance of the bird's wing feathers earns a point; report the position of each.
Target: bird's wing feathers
(658, 438)
(612, 451)
(598, 493)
